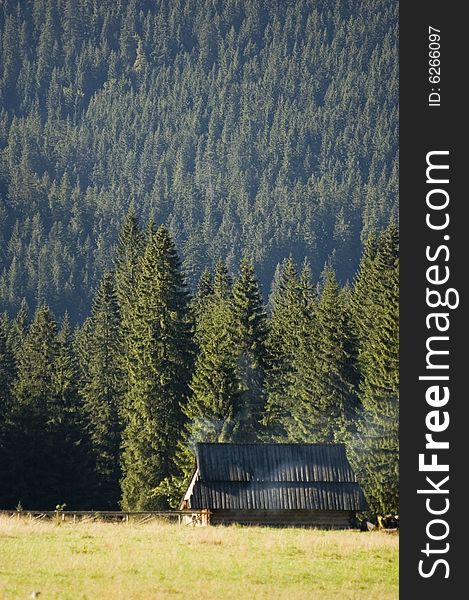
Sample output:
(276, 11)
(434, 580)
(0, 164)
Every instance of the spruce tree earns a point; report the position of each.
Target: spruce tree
(102, 390)
(362, 300)
(12, 336)
(290, 322)
(7, 374)
(326, 371)
(7, 368)
(375, 449)
(158, 368)
(65, 368)
(72, 460)
(214, 407)
(222, 282)
(128, 256)
(249, 342)
(44, 444)
(17, 330)
(203, 291)
(36, 360)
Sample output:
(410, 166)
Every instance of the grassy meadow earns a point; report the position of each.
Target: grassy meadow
(100, 561)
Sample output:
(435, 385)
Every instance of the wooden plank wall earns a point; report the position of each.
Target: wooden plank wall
(292, 518)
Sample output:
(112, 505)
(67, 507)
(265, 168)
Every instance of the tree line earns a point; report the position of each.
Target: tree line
(105, 414)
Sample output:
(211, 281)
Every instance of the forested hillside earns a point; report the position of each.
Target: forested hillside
(263, 127)
(107, 415)
(198, 241)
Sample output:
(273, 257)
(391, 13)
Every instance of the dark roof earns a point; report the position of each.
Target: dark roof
(273, 462)
(275, 477)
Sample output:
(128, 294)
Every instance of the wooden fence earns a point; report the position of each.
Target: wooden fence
(186, 517)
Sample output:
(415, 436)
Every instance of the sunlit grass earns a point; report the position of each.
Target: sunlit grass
(158, 561)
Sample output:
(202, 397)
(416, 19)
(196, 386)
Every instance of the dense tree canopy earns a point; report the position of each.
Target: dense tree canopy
(257, 126)
(188, 191)
(122, 401)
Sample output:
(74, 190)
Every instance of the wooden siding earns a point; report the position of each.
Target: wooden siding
(285, 518)
(312, 482)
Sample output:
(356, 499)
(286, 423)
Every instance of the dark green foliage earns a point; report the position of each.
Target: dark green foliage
(99, 346)
(203, 291)
(214, 407)
(17, 330)
(363, 298)
(264, 127)
(7, 375)
(249, 345)
(158, 367)
(290, 325)
(327, 373)
(35, 388)
(222, 282)
(127, 259)
(128, 256)
(375, 449)
(228, 381)
(7, 368)
(65, 374)
(46, 462)
(127, 395)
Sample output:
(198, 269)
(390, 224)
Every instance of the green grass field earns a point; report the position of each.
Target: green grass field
(98, 561)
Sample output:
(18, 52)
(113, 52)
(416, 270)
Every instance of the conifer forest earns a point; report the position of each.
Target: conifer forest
(198, 241)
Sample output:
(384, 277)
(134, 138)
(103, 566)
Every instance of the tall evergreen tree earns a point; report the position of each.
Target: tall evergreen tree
(12, 336)
(102, 390)
(35, 384)
(203, 291)
(214, 410)
(65, 367)
(375, 449)
(74, 467)
(7, 374)
(222, 282)
(127, 261)
(362, 300)
(249, 341)
(214, 407)
(326, 377)
(291, 321)
(17, 330)
(44, 445)
(7, 369)
(158, 364)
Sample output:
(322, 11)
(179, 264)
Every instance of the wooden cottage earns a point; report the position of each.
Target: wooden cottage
(275, 484)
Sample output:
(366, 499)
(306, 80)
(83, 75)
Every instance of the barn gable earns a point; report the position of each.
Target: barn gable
(310, 480)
